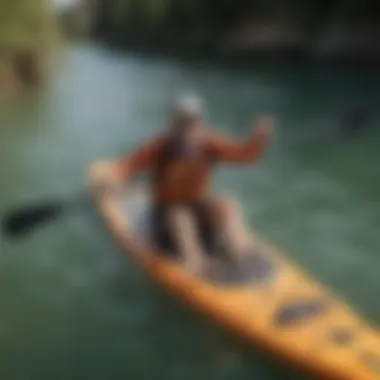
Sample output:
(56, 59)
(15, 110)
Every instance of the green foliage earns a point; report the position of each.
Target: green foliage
(177, 19)
(26, 24)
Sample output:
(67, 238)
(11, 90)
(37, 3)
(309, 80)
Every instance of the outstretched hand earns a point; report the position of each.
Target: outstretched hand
(263, 128)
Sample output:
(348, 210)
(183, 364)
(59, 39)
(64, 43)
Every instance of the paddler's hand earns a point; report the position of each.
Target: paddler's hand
(107, 182)
(263, 129)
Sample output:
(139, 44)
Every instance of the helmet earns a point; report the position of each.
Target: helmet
(189, 105)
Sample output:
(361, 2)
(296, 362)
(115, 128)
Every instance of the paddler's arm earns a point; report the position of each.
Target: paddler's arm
(247, 151)
(142, 159)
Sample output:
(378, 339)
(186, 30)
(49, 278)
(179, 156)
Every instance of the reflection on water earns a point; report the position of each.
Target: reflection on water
(74, 308)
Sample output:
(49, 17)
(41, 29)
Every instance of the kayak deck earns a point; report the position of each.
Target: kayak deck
(270, 303)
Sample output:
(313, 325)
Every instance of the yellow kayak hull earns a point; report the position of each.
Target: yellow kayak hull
(278, 308)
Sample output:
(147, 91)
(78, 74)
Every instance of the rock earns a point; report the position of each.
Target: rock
(356, 120)
(31, 68)
(265, 37)
(342, 42)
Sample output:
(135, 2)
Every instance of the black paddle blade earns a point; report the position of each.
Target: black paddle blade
(23, 220)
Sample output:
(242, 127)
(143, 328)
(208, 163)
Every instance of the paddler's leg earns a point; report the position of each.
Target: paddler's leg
(229, 223)
(184, 231)
(160, 230)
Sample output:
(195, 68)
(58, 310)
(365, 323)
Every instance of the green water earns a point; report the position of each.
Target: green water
(72, 307)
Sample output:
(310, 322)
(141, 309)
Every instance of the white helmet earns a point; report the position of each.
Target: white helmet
(189, 105)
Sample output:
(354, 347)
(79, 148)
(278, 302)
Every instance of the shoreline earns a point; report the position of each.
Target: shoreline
(241, 59)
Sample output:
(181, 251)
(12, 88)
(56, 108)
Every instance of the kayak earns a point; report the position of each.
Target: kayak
(268, 301)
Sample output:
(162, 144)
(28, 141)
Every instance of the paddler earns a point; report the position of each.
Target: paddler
(187, 218)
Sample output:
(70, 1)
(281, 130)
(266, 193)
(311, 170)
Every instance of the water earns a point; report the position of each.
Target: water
(74, 308)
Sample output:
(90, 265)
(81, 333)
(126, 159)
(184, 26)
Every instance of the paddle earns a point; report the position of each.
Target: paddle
(23, 220)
